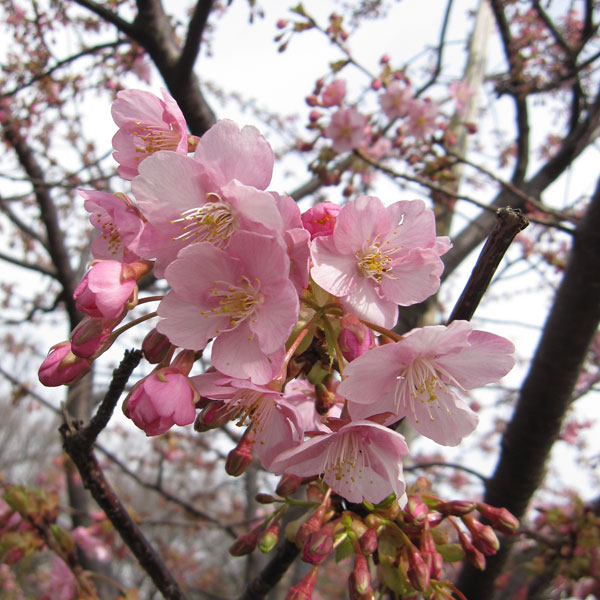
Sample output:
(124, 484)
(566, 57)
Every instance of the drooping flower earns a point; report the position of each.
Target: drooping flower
(346, 129)
(147, 124)
(273, 421)
(242, 296)
(164, 398)
(361, 460)
(396, 100)
(417, 377)
(107, 287)
(380, 257)
(119, 222)
(208, 197)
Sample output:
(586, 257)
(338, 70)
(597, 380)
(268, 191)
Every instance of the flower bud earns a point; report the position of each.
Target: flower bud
(269, 538)
(418, 570)
(318, 545)
(155, 346)
(359, 581)
(246, 543)
(239, 459)
(312, 524)
(368, 541)
(474, 556)
(456, 508)
(304, 588)
(501, 518)
(354, 338)
(288, 484)
(62, 367)
(484, 538)
(263, 498)
(212, 416)
(431, 556)
(92, 337)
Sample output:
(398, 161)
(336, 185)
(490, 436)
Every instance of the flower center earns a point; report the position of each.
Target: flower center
(375, 261)
(237, 302)
(345, 458)
(212, 222)
(109, 233)
(153, 138)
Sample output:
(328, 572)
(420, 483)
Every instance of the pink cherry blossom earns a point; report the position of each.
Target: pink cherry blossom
(415, 377)
(163, 399)
(62, 367)
(320, 219)
(91, 545)
(61, 585)
(461, 93)
(422, 115)
(208, 197)
(361, 460)
(274, 422)
(334, 93)
(119, 222)
(146, 124)
(107, 287)
(346, 129)
(380, 257)
(242, 296)
(396, 100)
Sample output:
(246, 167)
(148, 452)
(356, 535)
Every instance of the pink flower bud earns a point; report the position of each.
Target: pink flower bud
(376, 84)
(501, 518)
(282, 23)
(155, 346)
(164, 398)
(354, 338)
(312, 100)
(239, 459)
(246, 543)
(456, 508)
(62, 367)
(312, 524)
(319, 545)
(474, 556)
(368, 541)
(92, 337)
(431, 556)
(418, 570)
(359, 581)
(320, 220)
(304, 588)
(484, 538)
(288, 484)
(213, 415)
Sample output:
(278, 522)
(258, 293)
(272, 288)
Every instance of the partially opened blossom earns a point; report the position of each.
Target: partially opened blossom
(107, 287)
(355, 338)
(361, 460)
(380, 257)
(242, 296)
(422, 117)
(164, 398)
(346, 129)
(120, 224)
(419, 377)
(62, 367)
(396, 100)
(273, 421)
(147, 124)
(209, 197)
(320, 219)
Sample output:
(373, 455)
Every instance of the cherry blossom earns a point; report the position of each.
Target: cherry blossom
(320, 219)
(422, 116)
(361, 460)
(346, 129)
(395, 101)
(62, 367)
(208, 197)
(414, 377)
(147, 124)
(163, 399)
(119, 222)
(242, 296)
(334, 93)
(380, 257)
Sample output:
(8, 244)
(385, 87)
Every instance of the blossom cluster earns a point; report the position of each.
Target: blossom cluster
(295, 310)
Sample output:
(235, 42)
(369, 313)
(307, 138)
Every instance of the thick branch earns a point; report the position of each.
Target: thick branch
(547, 391)
(193, 39)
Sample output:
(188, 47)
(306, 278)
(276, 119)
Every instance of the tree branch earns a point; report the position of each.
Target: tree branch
(193, 39)
(547, 391)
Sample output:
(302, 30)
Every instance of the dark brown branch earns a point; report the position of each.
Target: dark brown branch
(20, 224)
(78, 444)
(270, 576)
(107, 15)
(547, 391)
(508, 223)
(25, 265)
(193, 39)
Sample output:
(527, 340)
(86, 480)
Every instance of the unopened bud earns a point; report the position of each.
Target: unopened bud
(213, 415)
(239, 459)
(304, 588)
(456, 508)
(312, 100)
(418, 570)
(155, 346)
(501, 518)
(312, 524)
(318, 545)
(376, 84)
(359, 581)
(62, 367)
(288, 484)
(246, 543)
(368, 541)
(263, 498)
(92, 337)
(484, 538)
(269, 538)
(282, 23)
(474, 556)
